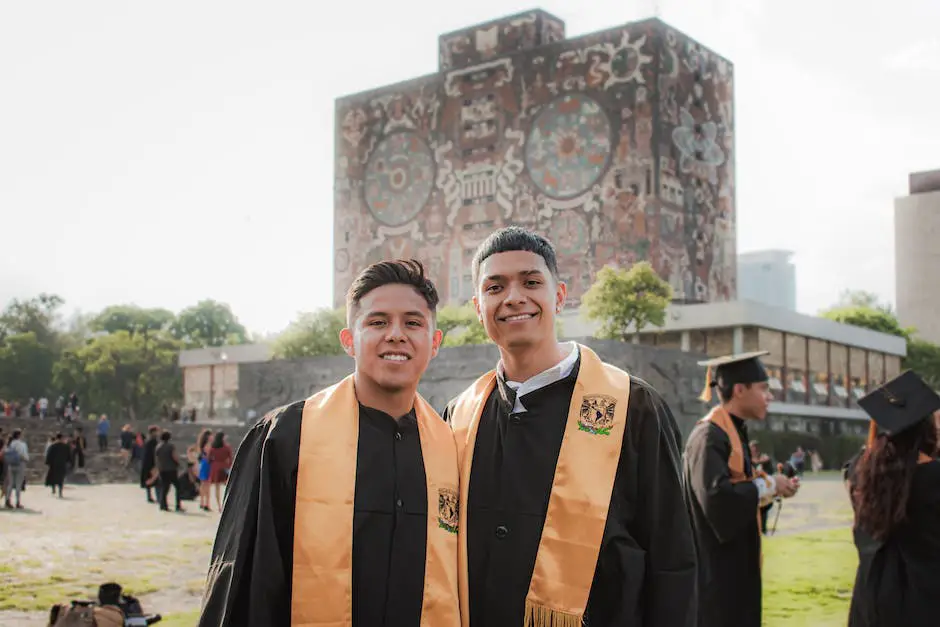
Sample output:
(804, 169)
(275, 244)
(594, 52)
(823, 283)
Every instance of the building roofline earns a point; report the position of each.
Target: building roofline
(753, 314)
(230, 354)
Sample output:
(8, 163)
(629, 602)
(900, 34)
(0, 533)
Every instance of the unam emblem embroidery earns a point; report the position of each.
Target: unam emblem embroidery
(447, 509)
(597, 414)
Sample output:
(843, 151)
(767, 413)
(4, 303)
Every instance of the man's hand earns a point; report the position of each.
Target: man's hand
(785, 486)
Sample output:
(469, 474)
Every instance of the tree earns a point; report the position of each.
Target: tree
(123, 373)
(861, 298)
(37, 315)
(26, 366)
(627, 301)
(132, 319)
(924, 358)
(208, 323)
(461, 326)
(867, 318)
(312, 334)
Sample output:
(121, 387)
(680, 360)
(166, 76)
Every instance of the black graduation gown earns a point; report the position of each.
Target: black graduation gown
(898, 581)
(148, 460)
(254, 541)
(58, 457)
(724, 518)
(645, 574)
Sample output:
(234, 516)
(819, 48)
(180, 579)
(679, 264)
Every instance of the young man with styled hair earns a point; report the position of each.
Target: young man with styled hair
(726, 489)
(341, 509)
(571, 508)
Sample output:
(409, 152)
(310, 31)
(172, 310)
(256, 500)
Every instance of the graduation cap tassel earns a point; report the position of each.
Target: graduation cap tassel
(706, 395)
(872, 434)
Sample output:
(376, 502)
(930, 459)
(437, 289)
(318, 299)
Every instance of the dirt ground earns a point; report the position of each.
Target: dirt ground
(56, 550)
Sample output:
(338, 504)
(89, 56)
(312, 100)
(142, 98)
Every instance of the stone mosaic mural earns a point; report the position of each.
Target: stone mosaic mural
(618, 146)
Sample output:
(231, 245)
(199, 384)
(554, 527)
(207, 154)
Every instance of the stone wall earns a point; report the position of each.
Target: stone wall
(263, 386)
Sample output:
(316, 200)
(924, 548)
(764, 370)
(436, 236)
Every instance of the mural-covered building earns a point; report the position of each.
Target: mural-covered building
(618, 145)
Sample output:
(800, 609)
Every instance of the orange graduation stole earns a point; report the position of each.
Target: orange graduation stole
(577, 509)
(323, 523)
(720, 417)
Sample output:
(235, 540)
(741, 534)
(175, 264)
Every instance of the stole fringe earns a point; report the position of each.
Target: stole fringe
(541, 616)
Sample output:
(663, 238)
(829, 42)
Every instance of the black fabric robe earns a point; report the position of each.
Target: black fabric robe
(898, 580)
(724, 518)
(58, 458)
(645, 574)
(254, 542)
(149, 460)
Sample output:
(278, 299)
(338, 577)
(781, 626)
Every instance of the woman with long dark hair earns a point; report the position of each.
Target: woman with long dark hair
(895, 488)
(202, 448)
(220, 463)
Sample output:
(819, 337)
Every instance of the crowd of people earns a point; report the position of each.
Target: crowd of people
(204, 465)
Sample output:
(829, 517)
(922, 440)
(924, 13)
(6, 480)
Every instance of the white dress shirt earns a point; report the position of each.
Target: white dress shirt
(556, 373)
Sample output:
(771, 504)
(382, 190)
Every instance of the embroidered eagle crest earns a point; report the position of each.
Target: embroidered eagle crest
(597, 414)
(448, 507)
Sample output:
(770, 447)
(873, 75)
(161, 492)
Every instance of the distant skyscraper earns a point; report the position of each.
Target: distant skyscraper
(618, 145)
(768, 277)
(917, 255)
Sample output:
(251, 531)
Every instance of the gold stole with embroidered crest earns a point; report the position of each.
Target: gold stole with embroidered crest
(580, 498)
(321, 594)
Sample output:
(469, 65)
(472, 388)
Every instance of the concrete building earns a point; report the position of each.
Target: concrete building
(618, 145)
(819, 368)
(767, 277)
(210, 377)
(917, 255)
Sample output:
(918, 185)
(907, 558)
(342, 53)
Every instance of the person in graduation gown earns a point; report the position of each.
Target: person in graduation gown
(725, 492)
(58, 457)
(341, 509)
(571, 506)
(895, 488)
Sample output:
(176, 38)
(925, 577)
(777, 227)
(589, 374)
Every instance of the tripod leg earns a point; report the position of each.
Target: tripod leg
(777, 516)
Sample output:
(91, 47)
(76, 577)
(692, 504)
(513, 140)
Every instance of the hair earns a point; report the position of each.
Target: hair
(59, 436)
(219, 440)
(165, 436)
(16, 434)
(203, 438)
(153, 429)
(726, 390)
(883, 478)
(400, 272)
(513, 238)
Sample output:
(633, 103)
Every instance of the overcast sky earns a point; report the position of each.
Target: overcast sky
(161, 153)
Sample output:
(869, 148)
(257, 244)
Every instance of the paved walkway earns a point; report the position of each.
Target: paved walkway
(57, 550)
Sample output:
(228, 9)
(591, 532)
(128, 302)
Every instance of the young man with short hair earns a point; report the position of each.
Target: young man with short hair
(726, 490)
(571, 507)
(341, 509)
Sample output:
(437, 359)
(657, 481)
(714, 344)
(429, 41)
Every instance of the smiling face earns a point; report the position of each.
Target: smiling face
(392, 337)
(517, 299)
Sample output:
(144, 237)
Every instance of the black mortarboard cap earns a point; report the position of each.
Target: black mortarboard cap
(900, 403)
(732, 369)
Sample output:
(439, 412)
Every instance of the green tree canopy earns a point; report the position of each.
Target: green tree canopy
(312, 334)
(123, 373)
(36, 315)
(625, 301)
(132, 319)
(208, 323)
(25, 366)
(461, 326)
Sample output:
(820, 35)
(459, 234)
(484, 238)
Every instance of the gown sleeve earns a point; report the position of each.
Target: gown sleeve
(728, 507)
(662, 525)
(252, 557)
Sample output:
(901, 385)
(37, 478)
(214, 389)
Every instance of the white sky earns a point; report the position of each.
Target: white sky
(164, 152)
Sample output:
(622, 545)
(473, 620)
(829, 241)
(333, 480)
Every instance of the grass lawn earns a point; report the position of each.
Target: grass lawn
(808, 579)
